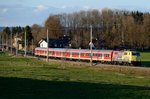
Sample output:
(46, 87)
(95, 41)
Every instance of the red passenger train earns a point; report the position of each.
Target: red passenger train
(109, 56)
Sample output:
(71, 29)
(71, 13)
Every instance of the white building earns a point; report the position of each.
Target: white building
(43, 43)
(16, 43)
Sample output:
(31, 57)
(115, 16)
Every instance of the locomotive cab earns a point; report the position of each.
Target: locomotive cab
(136, 59)
(131, 57)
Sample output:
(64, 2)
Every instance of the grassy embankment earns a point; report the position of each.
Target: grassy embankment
(25, 78)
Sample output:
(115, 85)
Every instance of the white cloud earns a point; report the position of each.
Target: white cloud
(64, 6)
(4, 10)
(40, 8)
(86, 7)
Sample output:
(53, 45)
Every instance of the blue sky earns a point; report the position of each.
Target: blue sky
(29, 12)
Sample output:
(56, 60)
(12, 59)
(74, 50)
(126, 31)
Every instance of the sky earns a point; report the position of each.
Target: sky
(29, 12)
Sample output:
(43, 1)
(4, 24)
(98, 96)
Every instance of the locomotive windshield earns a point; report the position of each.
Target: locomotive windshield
(135, 53)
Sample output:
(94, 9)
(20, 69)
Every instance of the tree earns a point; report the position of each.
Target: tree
(7, 31)
(29, 36)
(36, 33)
(54, 26)
(6, 35)
(111, 28)
(138, 17)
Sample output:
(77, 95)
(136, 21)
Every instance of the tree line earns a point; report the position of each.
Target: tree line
(9, 33)
(112, 29)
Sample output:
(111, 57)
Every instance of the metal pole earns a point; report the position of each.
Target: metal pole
(11, 43)
(6, 45)
(25, 53)
(122, 39)
(32, 47)
(47, 45)
(91, 45)
(1, 41)
(16, 44)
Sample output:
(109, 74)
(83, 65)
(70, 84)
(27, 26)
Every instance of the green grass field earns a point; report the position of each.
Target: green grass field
(145, 57)
(26, 78)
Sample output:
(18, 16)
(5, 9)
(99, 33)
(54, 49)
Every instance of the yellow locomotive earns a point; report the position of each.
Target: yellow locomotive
(126, 57)
(132, 57)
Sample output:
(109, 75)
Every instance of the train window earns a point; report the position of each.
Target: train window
(116, 53)
(125, 53)
(82, 54)
(94, 54)
(134, 53)
(99, 55)
(137, 53)
(87, 54)
(75, 54)
(58, 52)
(66, 53)
(106, 55)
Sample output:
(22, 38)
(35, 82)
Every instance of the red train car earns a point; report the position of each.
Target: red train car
(81, 54)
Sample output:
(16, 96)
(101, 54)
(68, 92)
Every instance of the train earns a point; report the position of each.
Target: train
(123, 57)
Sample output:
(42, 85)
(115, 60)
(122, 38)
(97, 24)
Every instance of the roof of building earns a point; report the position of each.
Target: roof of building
(61, 42)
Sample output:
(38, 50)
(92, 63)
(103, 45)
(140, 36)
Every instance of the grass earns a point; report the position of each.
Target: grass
(28, 78)
(19, 88)
(145, 57)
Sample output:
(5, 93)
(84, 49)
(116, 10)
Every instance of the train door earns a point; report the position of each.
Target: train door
(99, 56)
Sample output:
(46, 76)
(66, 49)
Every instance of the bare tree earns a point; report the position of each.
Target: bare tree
(54, 25)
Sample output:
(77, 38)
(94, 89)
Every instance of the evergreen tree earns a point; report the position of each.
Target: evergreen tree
(29, 36)
(7, 31)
